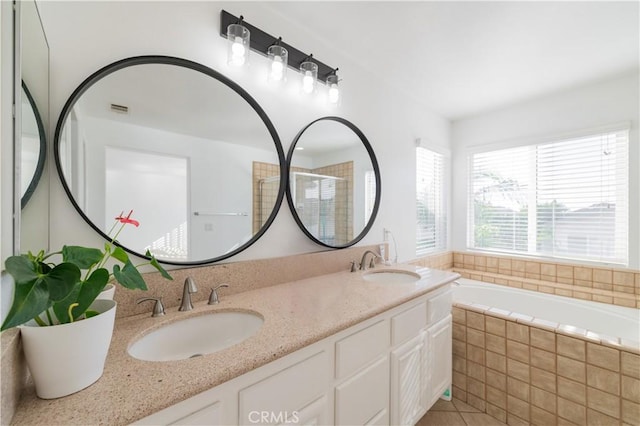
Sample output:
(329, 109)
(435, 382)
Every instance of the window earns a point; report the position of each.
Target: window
(565, 199)
(431, 205)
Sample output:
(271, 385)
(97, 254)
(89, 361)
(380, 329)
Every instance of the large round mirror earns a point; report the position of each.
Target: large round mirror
(188, 150)
(334, 182)
(33, 147)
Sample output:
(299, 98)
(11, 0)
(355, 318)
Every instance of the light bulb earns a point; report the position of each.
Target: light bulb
(334, 93)
(307, 82)
(238, 51)
(277, 68)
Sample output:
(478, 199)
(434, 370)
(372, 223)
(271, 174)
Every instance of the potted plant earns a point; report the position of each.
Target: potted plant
(65, 331)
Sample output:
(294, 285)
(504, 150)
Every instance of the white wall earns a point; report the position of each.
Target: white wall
(85, 36)
(609, 102)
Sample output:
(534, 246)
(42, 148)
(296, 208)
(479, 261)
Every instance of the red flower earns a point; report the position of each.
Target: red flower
(127, 219)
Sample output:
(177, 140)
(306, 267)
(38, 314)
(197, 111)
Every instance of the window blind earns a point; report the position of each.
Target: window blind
(565, 199)
(431, 206)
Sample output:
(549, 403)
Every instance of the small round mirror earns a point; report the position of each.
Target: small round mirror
(334, 182)
(33, 147)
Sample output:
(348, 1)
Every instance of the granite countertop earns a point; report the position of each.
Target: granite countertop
(296, 314)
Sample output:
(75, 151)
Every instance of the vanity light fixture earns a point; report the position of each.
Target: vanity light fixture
(265, 44)
(279, 57)
(309, 72)
(334, 90)
(239, 42)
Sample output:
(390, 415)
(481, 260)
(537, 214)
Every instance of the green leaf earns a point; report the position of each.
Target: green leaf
(120, 254)
(90, 289)
(61, 280)
(61, 308)
(89, 314)
(21, 269)
(155, 264)
(30, 300)
(83, 257)
(129, 276)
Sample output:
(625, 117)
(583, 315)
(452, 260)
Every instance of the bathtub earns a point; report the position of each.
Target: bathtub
(580, 315)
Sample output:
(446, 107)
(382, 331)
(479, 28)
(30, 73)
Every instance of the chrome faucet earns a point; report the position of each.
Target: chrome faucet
(187, 291)
(213, 297)
(372, 264)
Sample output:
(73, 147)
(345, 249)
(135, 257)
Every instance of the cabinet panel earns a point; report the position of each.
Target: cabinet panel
(439, 306)
(314, 414)
(380, 419)
(355, 351)
(210, 415)
(408, 324)
(407, 401)
(439, 354)
(288, 390)
(361, 397)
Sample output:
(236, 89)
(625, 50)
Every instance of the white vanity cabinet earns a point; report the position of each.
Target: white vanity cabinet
(389, 369)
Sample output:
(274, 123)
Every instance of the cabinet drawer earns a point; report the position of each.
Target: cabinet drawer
(288, 390)
(439, 306)
(363, 396)
(211, 415)
(408, 324)
(357, 350)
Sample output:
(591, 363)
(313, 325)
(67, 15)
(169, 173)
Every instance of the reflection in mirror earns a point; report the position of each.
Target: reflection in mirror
(33, 180)
(334, 182)
(180, 145)
(34, 147)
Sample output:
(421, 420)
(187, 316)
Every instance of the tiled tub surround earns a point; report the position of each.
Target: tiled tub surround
(617, 286)
(296, 314)
(525, 373)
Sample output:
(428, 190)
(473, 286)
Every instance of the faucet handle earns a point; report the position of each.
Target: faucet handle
(158, 307)
(372, 263)
(213, 297)
(354, 266)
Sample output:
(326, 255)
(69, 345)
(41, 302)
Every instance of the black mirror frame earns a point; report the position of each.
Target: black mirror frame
(170, 60)
(376, 169)
(42, 155)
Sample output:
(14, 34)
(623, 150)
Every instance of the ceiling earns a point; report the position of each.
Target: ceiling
(463, 58)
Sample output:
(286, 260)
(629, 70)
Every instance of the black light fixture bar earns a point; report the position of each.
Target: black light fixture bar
(260, 41)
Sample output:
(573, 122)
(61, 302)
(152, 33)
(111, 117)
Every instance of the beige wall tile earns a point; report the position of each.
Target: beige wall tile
(496, 344)
(495, 326)
(548, 271)
(459, 331)
(481, 261)
(518, 369)
(623, 278)
(461, 394)
(572, 348)
(518, 266)
(460, 364)
(504, 266)
(603, 356)
(476, 402)
(602, 299)
(475, 371)
(543, 379)
(543, 359)
(475, 337)
(475, 387)
(571, 411)
(543, 399)
(543, 339)
(497, 413)
(574, 391)
(492, 263)
(475, 354)
(532, 267)
(630, 412)
(459, 348)
(596, 418)
(496, 379)
(475, 320)
(518, 351)
(540, 417)
(518, 332)
(518, 389)
(496, 362)
(564, 271)
(603, 276)
(513, 420)
(603, 402)
(571, 369)
(583, 274)
(459, 315)
(631, 389)
(517, 407)
(497, 397)
(459, 380)
(604, 380)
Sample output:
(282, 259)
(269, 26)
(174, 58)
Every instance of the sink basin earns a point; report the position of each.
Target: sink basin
(196, 336)
(391, 277)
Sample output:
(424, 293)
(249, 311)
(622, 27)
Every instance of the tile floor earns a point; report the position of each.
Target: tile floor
(456, 413)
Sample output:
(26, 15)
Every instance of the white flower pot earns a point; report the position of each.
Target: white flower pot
(107, 293)
(66, 358)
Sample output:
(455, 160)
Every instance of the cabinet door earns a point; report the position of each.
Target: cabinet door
(364, 396)
(438, 360)
(407, 401)
(314, 414)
